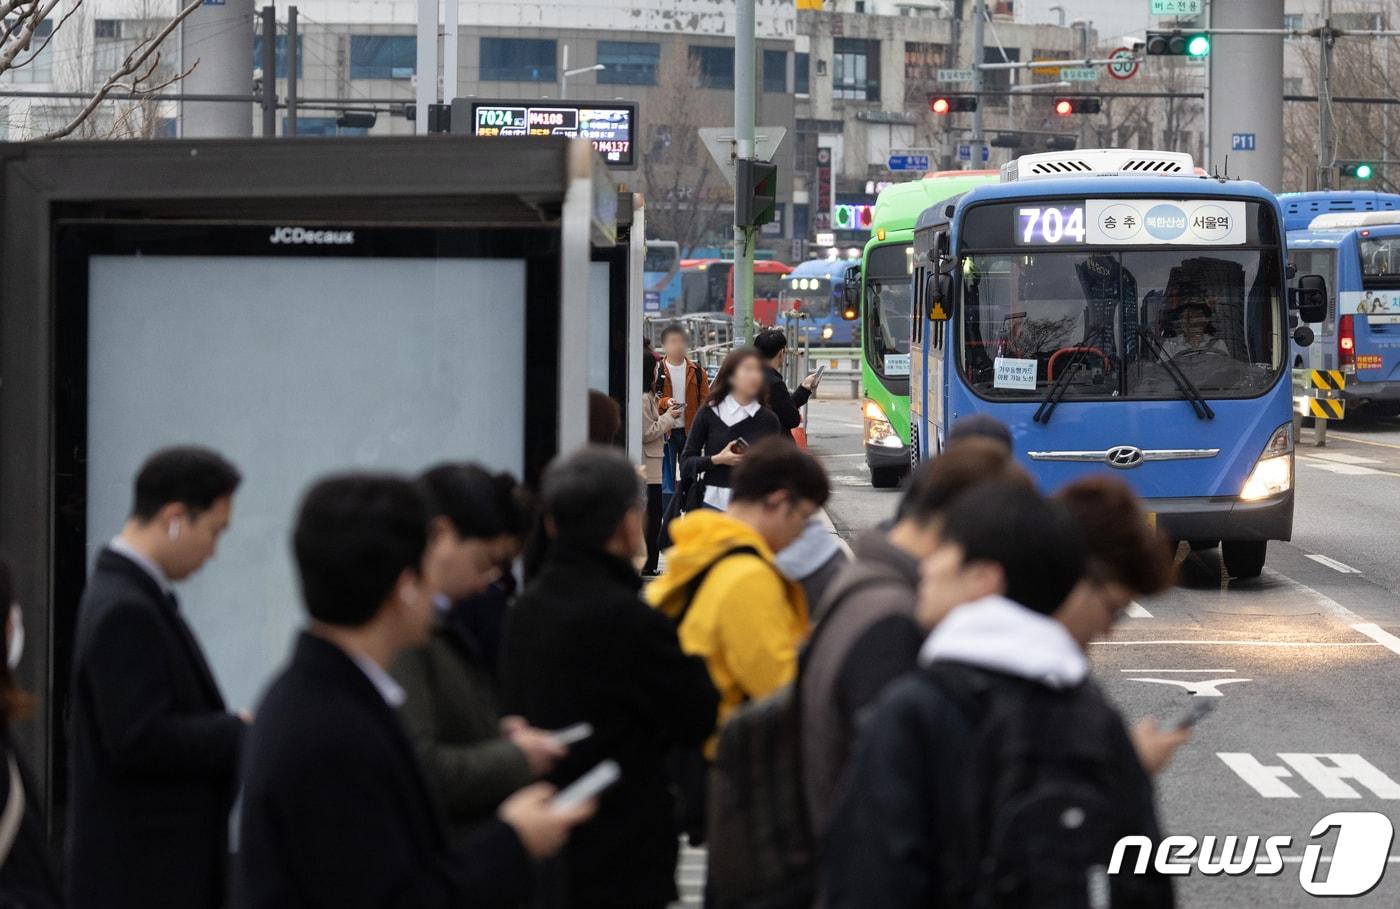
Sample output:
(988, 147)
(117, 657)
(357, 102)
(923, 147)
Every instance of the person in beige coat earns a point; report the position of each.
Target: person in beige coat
(655, 425)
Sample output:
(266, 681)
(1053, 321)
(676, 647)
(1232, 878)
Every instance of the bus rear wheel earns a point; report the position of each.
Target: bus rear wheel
(885, 477)
(1244, 559)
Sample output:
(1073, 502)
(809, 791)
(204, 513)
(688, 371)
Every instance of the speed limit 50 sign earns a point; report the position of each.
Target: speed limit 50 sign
(1124, 65)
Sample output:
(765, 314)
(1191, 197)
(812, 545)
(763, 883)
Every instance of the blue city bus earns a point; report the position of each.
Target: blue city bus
(816, 287)
(1128, 320)
(1358, 249)
(661, 278)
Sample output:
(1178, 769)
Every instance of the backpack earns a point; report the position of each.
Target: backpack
(1046, 798)
(764, 853)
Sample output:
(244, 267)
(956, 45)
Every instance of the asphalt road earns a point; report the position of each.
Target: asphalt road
(1303, 665)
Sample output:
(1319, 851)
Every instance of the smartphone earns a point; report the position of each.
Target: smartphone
(587, 786)
(741, 445)
(821, 371)
(571, 734)
(1200, 709)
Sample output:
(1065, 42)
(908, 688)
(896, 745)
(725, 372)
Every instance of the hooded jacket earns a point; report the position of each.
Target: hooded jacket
(896, 830)
(746, 620)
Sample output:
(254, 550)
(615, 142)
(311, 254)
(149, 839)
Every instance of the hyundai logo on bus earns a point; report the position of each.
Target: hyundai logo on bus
(301, 235)
(1123, 456)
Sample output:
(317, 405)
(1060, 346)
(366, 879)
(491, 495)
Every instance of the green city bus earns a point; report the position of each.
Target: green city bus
(886, 303)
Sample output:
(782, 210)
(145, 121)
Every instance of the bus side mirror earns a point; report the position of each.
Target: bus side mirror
(1310, 298)
(850, 293)
(1303, 336)
(936, 290)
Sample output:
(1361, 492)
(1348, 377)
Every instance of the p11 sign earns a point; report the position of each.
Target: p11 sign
(1242, 142)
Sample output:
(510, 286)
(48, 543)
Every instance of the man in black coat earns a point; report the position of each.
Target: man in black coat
(154, 751)
(581, 646)
(772, 344)
(335, 810)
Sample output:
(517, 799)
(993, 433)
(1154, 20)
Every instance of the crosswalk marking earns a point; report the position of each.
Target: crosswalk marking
(1136, 611)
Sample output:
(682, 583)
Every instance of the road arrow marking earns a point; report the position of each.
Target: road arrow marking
(1201, 688)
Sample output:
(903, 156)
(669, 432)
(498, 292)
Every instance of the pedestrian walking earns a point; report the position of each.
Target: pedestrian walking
(472, 759)
(869, 634)
(656, 426)
(995, 775)
(732, 420)
(772, 345)
(582, 647)
(27, 876)
(680, 380)
(154, 752)
(335, 808)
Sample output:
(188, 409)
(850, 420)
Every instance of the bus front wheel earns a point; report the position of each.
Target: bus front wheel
(885, 477)
(1244, 559)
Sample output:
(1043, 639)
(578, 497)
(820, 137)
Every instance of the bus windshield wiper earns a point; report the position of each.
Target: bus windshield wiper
(1193, 394)
(1060, 386)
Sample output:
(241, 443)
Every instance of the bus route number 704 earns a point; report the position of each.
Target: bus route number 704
(1050, 226)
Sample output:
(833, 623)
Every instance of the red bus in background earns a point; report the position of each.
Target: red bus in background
(707, 285)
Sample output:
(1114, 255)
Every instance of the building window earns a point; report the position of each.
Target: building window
(383, 56)
(802, 73)
(775, 71)
(998, 80)
(715, 65)
(804, 152)
(922, 61)
(855, 66)
(628, 62)
(33, 66)
(280, 52)
(1293, 21)
(1293, 85)
(107, 28)
(323, 126)
(518, 60)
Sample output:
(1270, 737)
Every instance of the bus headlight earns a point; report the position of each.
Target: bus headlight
(878, 430)
(1273, 472)
(827, 332)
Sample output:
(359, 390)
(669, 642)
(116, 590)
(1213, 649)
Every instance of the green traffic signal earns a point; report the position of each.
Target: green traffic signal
(1198, 46)
(1359, 170)
(1363, 171)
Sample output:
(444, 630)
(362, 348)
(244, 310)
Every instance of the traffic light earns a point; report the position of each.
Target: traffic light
(1359, 170)
(755, 192)
(1177, 43)
(947, 104)
(1068, 107)
(1060, 143)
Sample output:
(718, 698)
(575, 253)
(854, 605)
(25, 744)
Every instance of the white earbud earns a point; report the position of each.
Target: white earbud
(173, 529)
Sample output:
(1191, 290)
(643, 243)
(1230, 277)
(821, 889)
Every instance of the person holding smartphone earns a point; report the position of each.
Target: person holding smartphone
(732, 419)
(772, 344)
(656, 424)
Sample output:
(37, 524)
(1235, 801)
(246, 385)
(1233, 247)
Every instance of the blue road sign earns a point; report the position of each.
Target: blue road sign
(1242, 142)
(907, 162)
(965, 153)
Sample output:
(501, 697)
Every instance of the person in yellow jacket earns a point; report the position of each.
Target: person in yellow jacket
(734, 607)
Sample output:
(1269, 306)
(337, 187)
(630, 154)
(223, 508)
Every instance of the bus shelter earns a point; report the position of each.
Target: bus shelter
(301, 306)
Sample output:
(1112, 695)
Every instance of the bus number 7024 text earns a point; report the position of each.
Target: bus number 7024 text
(1050, 226)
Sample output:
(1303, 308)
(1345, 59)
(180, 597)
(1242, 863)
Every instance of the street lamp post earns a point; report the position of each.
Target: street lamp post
(565, 73)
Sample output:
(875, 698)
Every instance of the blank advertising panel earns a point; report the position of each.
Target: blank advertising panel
(293, 367)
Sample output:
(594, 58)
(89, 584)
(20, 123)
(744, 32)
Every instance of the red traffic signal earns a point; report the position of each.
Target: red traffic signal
(1068, 107)
(946, 104)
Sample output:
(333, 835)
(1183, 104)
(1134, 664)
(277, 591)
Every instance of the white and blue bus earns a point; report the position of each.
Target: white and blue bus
(1121, 316)
(1353, 238)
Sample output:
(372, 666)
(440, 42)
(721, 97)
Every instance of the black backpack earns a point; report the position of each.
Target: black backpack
(1052, 784)
(763, 851)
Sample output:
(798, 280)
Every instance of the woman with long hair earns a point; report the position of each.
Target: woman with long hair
(655, 425)
(733, 418)
(27, 876)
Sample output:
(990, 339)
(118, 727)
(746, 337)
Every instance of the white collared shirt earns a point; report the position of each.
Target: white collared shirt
(389, 690)
(126, 550)
(731, 411)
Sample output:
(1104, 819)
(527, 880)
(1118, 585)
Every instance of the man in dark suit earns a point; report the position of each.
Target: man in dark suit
(581, 646)
(154, 751)
(335, 809)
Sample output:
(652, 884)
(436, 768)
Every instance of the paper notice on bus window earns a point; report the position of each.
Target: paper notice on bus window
(897, 364)
(1011, 372)
(1368, 303)
(1181, 222)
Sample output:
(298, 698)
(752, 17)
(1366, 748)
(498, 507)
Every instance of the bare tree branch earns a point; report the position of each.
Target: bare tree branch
(131, 66)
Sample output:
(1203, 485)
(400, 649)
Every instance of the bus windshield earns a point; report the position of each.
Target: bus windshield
(888, 306)
(662, 258)
(1117, 319)
(1380, 257)
(767, 286)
